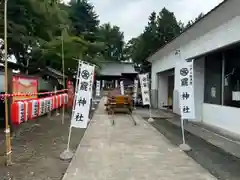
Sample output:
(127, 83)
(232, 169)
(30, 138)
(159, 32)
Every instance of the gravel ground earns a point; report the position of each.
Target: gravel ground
(219, 163)
(36, 149)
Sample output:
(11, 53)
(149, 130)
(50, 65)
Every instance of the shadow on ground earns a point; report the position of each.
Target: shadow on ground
(36, 149)
(219, 163)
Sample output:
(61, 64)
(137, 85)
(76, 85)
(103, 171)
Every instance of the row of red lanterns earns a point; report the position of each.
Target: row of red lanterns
(22, 111)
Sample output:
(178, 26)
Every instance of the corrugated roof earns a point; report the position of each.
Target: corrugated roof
(117, 69)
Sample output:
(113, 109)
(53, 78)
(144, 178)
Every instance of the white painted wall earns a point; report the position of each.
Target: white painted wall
(214, 39)
(224, 117)
(226, 34)
(217, 19)
(219, 29)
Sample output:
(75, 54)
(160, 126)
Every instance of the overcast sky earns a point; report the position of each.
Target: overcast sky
(132, 15)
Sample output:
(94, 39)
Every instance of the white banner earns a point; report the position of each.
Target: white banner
(98, 85)
(83, 96)
(103, 83)
(116, 83)
(144, 82)
(135, 88)
(122, 87)
(186, 91)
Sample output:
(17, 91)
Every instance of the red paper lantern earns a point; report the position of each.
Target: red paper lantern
(41, 109)
(17, 113)
(50, 103)
(60, 101)
(33, 106)
(65, 98)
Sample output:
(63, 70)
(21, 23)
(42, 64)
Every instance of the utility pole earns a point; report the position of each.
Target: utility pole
(7, 127)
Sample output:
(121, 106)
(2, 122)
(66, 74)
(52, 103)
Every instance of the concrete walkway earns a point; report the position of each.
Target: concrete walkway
(128, 152)
(224, 140)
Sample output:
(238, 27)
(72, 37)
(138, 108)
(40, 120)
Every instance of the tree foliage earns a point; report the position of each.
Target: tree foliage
(190, 23)
(162, 27)
(37, 28)
(113, 40)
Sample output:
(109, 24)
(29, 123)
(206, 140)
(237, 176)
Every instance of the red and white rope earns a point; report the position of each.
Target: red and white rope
(33, 94)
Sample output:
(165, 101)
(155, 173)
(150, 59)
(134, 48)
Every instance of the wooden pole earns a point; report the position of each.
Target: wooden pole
(7, 127)
(63, 71)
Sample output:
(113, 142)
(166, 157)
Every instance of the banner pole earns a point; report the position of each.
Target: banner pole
(69, 138)
(150, 104)
(184, 146)
(63, 71)
(183, 134)
(150, 114)
(68, 154)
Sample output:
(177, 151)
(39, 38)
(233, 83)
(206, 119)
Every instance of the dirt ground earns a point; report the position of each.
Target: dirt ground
(36, 148)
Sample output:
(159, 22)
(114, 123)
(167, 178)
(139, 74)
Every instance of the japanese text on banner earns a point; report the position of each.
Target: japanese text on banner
(186, 91)
(83, 98)
(122, 87)
(135, 90)
(144, 82)
(98, 86)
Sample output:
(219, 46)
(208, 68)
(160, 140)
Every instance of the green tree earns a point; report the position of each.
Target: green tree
(113, 40)
(160, 29)
(190, 23)
(37, 22)
(35, 36)
(83, 18)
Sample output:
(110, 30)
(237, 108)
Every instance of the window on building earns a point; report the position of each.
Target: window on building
(232, 77)
(213, 79)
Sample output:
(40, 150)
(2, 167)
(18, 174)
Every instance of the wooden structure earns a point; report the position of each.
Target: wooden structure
(119, 103)
(114, 72)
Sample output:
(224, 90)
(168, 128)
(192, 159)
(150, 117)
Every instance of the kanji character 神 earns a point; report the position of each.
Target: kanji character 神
(185, 95)
(82, 101)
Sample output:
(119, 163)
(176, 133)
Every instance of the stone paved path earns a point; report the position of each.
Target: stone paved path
(128, 152)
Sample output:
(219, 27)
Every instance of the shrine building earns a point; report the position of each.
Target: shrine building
(112, 73)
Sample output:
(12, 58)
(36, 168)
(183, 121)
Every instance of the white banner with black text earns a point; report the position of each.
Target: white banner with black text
(83, 97)
(98, 86)
(144, 82)
(186, 90)
(135, 88)
(122, 87)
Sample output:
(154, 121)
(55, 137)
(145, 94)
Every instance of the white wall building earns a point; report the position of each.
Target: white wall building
(213, 44)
